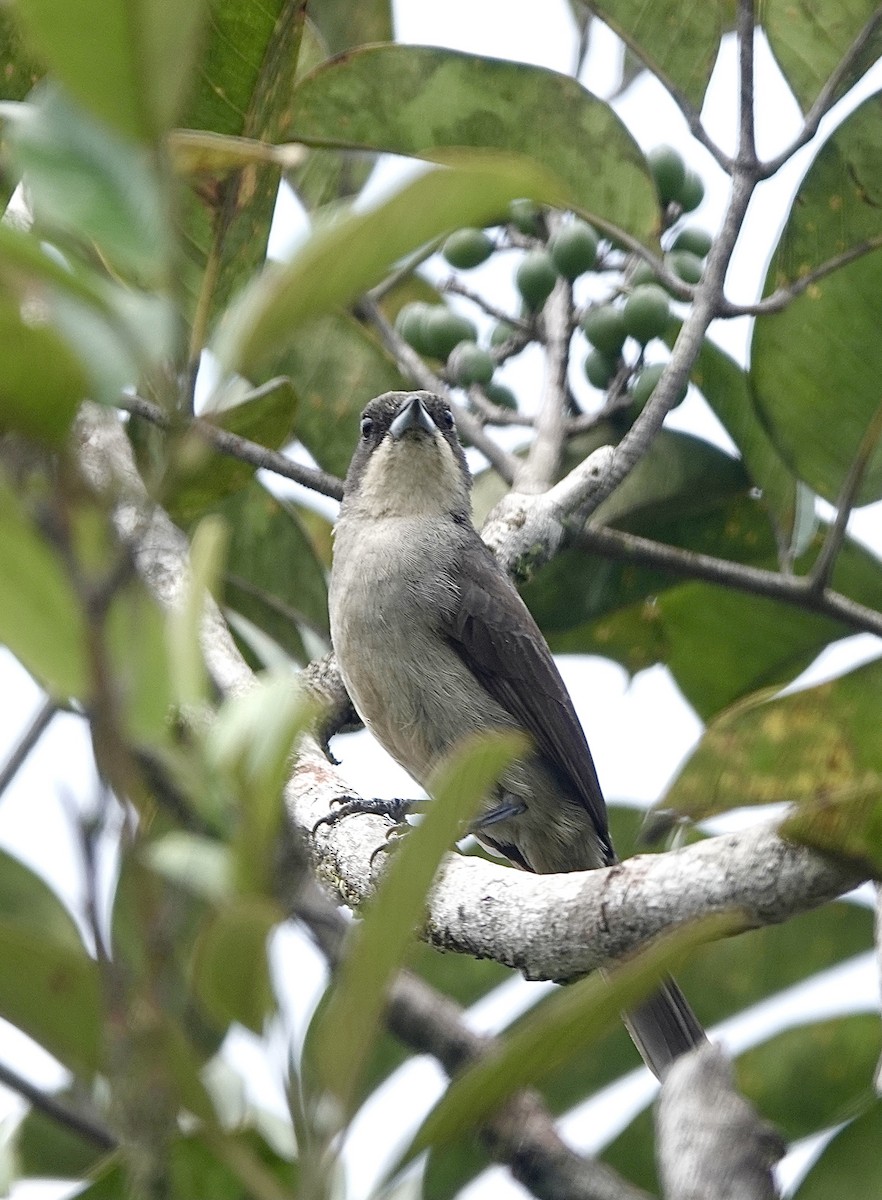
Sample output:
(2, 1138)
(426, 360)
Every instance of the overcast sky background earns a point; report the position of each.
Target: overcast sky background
(646, 712)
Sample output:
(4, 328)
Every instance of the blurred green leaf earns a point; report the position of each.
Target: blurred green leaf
(570, 1018)
(265, 415)
(27, 900)
(839, 1056)
(231, 973)
(189, 673)
(846, 825)
(346, 256)
(40, 616)
(813, 745)
(137, 640)
(129, 62)
(49, 989)
(343, 26)
(19, 69)
(337, 366)
(273, 576)
(421, 101)
(809, 39)
(350, 1021)
(850, 1165)
(242, 89)
(90, 184)
(679, 46)
(815, 366)
(198, 864)
(47, 1149)
(42, 381)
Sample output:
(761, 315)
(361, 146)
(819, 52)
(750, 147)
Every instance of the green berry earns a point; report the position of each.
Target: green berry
(467, 248)
(604, 327)
(695, 240)
(691, 193)
(411, 324)
(599, 369)
(468, 364)
(642, 273)
(668, 171)
(647, 313)
(500, 333)
(445, 329)
(686, 266)
(500, 395)
(526, 216)
(573, 249)
(645, 384)
(535, 278)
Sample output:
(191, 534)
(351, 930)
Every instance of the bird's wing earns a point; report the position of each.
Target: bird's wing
(494, 633)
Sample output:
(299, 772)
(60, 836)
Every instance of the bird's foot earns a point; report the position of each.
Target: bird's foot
(349, 806)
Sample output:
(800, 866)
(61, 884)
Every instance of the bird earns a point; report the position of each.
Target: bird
(434, 642)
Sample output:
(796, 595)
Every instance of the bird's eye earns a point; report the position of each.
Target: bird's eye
(447, 418)
(367, 427)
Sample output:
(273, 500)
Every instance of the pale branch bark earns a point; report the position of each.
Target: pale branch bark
(234, 446)
(561, 926)
(826, 98)
(710, 1140)
(796, 590)
(746, 30)
(539, 468)
(413, 365)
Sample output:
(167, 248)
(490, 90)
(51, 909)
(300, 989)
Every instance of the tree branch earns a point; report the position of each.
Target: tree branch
(782, 297)
(87, 1128)
(234, 446)
(26, 743)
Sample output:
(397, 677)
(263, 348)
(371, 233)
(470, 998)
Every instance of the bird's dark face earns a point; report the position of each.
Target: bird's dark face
(408, 461)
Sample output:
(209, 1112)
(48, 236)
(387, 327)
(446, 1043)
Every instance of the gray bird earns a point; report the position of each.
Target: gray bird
(434, 643)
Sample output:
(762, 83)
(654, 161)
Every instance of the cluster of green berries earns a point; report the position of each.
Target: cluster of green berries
(640, 309)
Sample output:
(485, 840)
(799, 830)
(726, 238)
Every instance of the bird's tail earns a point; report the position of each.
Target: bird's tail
(664, 1027)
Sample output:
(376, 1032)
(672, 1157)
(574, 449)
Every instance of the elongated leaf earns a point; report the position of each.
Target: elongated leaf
(419, 101)
(230, 968)
(345, 257)
(679, 45)
(350, 1022)
(247, 70)
(45, 1148)
(40, 617)
(42, 380)
(571, 1018)
(811, 745)
(847, 825)
(27, 900)
(343, 26)
(128, 61)
(850, 1165)
(809, 38)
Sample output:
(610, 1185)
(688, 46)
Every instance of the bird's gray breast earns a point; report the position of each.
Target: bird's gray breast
(392, 588)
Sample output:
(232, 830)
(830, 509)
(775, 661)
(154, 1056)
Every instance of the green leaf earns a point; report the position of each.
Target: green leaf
(814, 744)
(189, 673)
(28, 901)
(337, 366)
(89, 184)
(231, 974)
(199, 865)
(570, 1018)
(350, 1022)
(49, 989)
(128, 61)
(42, 381)
(423, 101)
(847, 825)
(839, 1056)
(346, 256)
(40, 616)
(678, 45)
(850, 1165)
(273, 576)
(816, 365)
(47, 1149)
(265, 415)
(19, 70)
(809, 38)
(243, 89)
(343, 25)
(137, 641)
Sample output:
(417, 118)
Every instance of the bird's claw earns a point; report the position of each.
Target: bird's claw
(349, 806)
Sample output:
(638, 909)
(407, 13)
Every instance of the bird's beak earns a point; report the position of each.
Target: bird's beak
(412, 416)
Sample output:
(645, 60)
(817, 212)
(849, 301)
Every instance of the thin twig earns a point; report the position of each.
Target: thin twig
(825, 99)
(494, 414)
(790, 589)
(820, 574)
(783, 296)
(87, 1128)
(412, 364)
(454, 286)
(234, 446)
(26, 743)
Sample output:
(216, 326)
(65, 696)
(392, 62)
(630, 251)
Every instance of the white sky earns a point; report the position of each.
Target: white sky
(648, 711)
